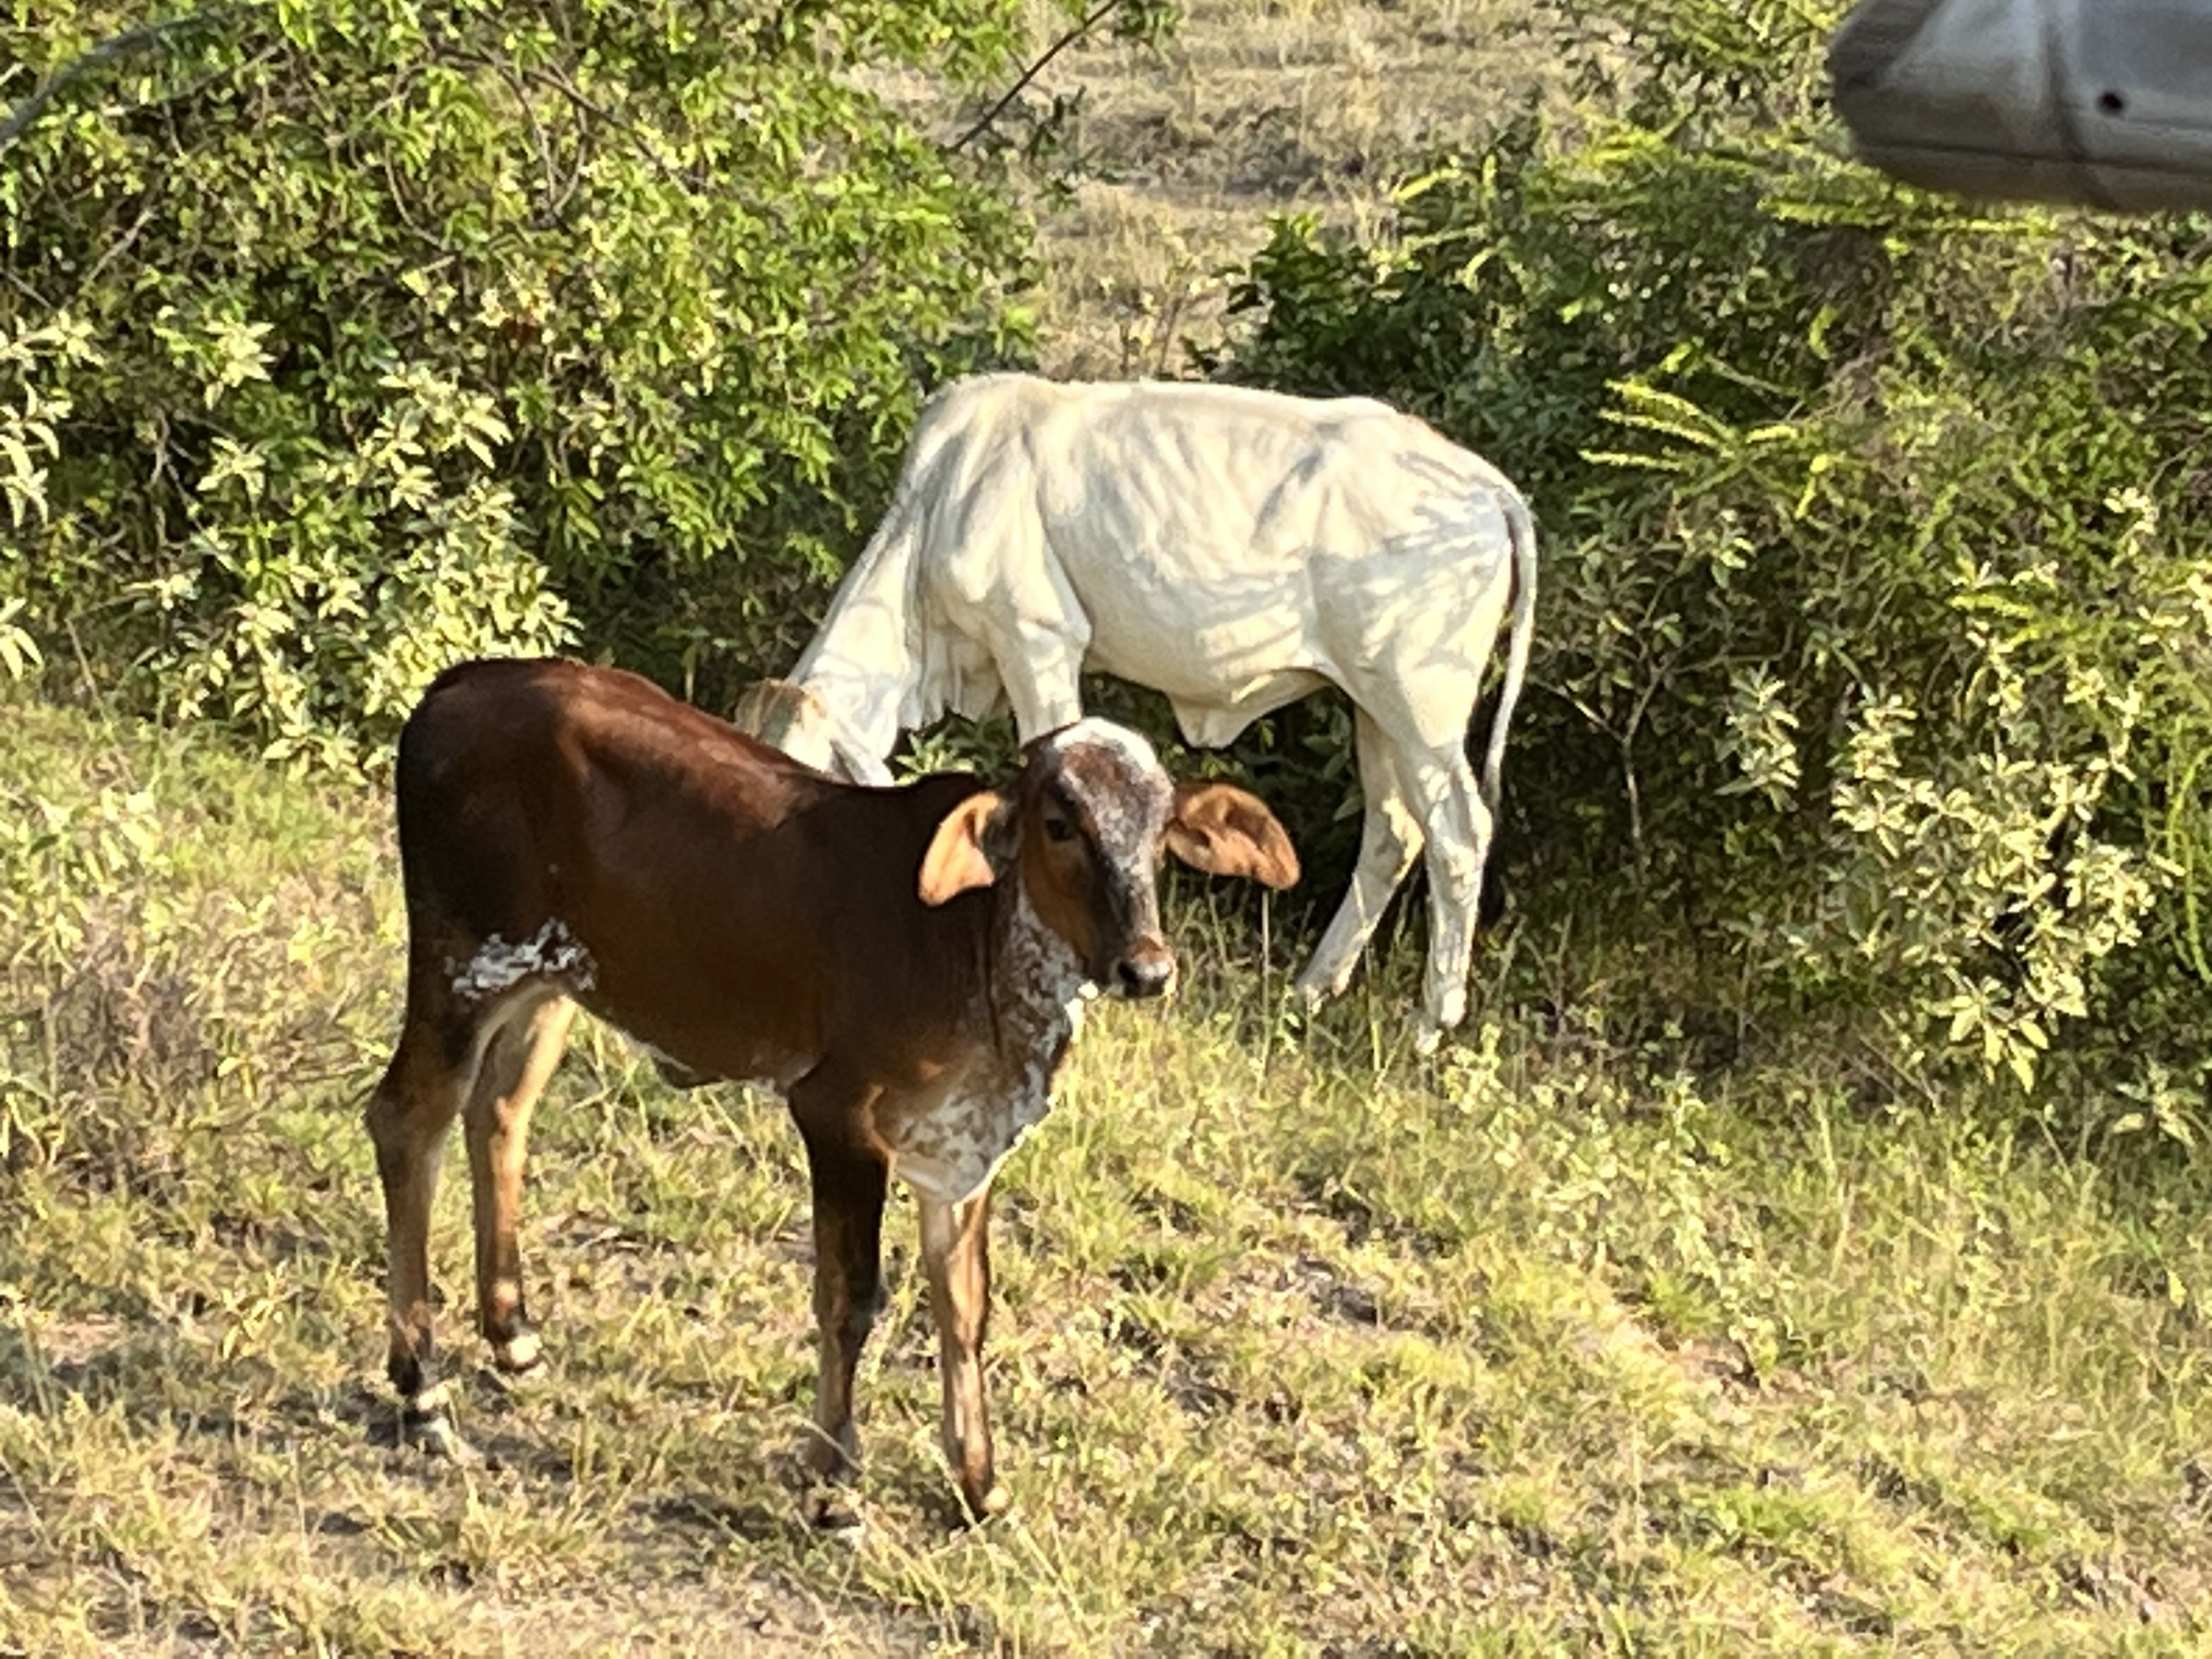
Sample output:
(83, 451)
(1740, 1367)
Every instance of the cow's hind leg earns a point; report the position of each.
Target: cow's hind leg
(956, 1249)
(1390, 839)
(518, 1060)
(409, 1113)
(1443, 789)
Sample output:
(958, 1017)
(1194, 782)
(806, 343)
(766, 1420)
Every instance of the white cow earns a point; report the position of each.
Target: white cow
(1233, 548)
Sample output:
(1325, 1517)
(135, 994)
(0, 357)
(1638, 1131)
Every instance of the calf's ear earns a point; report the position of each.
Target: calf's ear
(1226, 831)
(957, 859)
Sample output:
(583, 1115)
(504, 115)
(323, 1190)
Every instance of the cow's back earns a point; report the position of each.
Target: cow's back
(733, 906)
(1228, 481)
(1232, 548)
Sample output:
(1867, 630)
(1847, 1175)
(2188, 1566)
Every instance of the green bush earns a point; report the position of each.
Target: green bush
(340, 340)
(1877, 597)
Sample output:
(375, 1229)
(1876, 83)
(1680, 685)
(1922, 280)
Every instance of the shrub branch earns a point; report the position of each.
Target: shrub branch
(116, 45)
(1098, 15)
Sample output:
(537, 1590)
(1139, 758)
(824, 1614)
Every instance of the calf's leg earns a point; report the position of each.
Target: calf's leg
(518, 1061)
(849, 1177)
(408, 1114)
(956, 1249)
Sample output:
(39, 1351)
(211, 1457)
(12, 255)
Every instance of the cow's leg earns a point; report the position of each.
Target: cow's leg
(849, 1176)
(1443, 789)
(956, 1248)
(409, 1111)
(1390, 839)
(1041, 665)
(519, 1059)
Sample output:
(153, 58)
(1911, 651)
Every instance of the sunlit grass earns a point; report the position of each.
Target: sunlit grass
(1301, 1346)
(1574, 1340)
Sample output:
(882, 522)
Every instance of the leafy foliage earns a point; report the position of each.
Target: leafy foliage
(339, 340)
(1877, 570)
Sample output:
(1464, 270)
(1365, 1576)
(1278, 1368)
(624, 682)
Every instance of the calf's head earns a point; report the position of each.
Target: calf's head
(1084, 825)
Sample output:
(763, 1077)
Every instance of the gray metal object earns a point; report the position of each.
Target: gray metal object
(2094, 103)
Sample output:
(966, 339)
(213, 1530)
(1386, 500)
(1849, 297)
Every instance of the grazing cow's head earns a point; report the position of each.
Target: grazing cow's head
(789, 717)
(1085, 823)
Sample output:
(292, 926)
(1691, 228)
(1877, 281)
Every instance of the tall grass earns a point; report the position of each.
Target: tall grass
(1566, 1342)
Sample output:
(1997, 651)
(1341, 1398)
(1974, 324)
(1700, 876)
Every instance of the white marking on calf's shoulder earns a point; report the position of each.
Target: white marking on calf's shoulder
(551, 952)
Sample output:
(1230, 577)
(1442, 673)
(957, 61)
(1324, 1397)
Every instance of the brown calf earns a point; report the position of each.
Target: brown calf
(898, 963)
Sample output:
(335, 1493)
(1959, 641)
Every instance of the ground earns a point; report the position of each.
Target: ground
(1251, 108)
(1301, 1344)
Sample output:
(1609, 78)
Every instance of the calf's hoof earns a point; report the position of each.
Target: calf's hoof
(426, 1424)
(835, 1462)
(829, 1507)
(996, 1500)
(826, 1467)
(520, 1360)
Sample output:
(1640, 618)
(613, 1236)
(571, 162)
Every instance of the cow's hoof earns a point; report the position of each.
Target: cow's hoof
(1426, 1038)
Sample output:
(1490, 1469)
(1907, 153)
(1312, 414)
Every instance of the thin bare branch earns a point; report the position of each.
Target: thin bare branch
(1106, 9)
(115, 46)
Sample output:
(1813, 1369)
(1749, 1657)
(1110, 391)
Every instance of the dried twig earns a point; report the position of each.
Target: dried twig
(116, 45)
(1106, 9)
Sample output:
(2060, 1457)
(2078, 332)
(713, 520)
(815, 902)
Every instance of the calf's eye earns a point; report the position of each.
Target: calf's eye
(1059, 829)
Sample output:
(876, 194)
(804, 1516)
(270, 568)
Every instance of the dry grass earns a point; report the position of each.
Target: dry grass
(1567, 1343)
(1253, 108)
(1301, 1346)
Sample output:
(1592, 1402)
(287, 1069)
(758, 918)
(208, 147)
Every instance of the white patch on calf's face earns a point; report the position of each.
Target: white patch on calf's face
(1127, 806)
(1110, 781)
(551, 953)
(1130, 746)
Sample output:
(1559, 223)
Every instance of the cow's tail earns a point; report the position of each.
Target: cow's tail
(1520, 531)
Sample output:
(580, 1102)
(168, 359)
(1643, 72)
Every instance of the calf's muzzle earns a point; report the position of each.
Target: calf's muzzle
(1147, 969)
